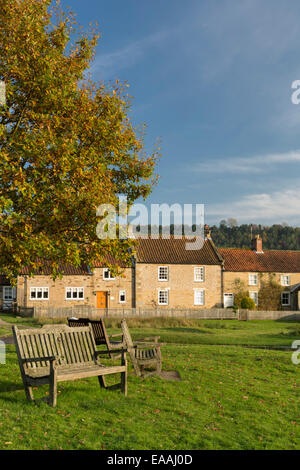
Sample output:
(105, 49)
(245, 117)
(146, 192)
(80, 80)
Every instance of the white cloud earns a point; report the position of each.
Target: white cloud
(246, 32)
(108, 64)
(279, 205)
(255, 164)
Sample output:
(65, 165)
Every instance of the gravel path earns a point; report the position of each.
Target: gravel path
(10, 339)
(4, 323)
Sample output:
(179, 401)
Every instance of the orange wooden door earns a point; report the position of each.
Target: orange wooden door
(101, 299)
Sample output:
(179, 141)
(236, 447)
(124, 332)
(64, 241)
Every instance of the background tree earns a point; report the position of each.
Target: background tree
(232, 222)
(66, 143)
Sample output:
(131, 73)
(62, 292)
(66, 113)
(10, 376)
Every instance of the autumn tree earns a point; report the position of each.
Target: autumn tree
(240, 292)
(66, 143)
(269, 295)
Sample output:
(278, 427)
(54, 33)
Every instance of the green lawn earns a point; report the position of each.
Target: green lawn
(192, 331)
(215, 332)
(230, 397)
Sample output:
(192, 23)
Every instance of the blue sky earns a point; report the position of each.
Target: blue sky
(213, 80)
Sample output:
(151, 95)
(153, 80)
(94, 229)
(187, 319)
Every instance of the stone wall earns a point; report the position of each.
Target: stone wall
(90, 283)
(181, 286)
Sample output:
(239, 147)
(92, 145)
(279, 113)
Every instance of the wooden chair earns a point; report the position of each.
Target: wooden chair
(100, 333)
(57, 353)
(143, 353)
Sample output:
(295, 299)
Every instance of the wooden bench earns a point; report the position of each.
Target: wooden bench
(100, 333)
(143, 353)
(58, 353)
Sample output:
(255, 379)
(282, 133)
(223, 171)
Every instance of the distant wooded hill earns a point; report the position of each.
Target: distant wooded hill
(275, 237)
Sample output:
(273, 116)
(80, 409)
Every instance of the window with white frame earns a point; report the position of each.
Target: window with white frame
(285, 298)
(199, 297)
(74, 293)
(9, 293)
(253, 280)
(107, 274)
(199, 273)
(163, 297)
(285, 280)
(163, 273)
(254, 296)
(122, 296)
(39, 293)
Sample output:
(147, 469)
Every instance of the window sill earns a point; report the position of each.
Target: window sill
(74, 300)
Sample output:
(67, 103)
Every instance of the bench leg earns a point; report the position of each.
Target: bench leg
(29, 393)
(53, 389)
(124, 382)
(102, 381)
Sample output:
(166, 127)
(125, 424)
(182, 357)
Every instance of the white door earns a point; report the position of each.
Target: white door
(228, 300)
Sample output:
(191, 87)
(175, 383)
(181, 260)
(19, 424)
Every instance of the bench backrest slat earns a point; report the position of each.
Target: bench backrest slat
(69, 348)
(69, 345)
(74, 348)
(99, 330)
(98, 326)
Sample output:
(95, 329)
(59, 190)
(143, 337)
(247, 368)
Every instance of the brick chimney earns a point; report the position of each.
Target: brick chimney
(256, 244)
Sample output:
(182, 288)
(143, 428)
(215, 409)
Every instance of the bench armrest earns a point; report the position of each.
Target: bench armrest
(143, 345)
(98, 353)
(151, 338)
(39, 359)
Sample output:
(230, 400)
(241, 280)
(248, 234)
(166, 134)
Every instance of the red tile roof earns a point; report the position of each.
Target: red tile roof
(69, 270)
(279, 261)
(65, 269)
(109, 259)
(173, 251)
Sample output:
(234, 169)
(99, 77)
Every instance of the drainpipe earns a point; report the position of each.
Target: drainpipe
(25, 291)
(133, 282)
(222, 284)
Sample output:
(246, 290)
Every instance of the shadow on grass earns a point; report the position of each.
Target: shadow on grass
(289, 318)
(6, 386)
(291, 333)
(188, 330)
